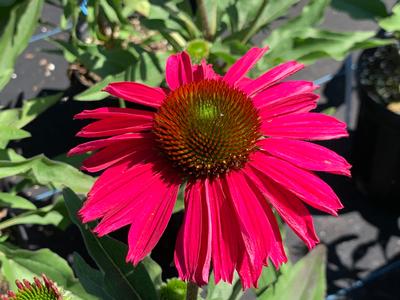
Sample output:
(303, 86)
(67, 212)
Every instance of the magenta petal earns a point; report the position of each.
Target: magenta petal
(150, 222)
(115, 126)
(257, 217)
(98, 144)
(283, 90)
(306, 155)
(308, 126)
(203, 71)
(248, 272)
(225, 238)
(117, 182)
(260, 234)
(301, 103)
(137, 93)
(178, 70)
(288, 206)
(114, 112)
(110, 155)
(304, 184)
(272, 76)
(243, 82)
(131, 198)
(243, 65)
(193, 246)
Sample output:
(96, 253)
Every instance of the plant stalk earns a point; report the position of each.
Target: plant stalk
(253, 25)
(204, 20)
(192, 291)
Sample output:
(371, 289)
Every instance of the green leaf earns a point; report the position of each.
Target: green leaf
(18, 23)
(95, 92)
(12, 133)
(48, 215)
(9, 116)
(391, 23)
(267, 11)
(306, 280)
(12, 120)
(48, 172)
(268, 276)
(10, 155)
(361, 9)
(91, 279)
(223, 290)
(24, 264)
(32, 108)
(13, 201)
(141, 6)
(109, 11)
(122, 280)
(180, 203)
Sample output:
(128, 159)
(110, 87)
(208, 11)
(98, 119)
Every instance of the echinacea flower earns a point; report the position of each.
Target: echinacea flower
(238, 148)
(37, 290)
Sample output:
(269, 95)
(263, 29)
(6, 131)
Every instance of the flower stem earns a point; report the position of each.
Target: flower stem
(252, 29)
(204, 20)
(121, 103)
(192, 291)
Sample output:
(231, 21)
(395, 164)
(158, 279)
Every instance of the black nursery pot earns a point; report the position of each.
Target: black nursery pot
(376, 148)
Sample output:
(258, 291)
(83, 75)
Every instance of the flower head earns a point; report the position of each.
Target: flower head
(37, 290)
(241, 147)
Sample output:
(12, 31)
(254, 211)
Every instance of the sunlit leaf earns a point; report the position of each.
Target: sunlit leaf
(47, 172)
(122, 280)
(24, 264)
(95, 92)
(13, 201)
(306, 280)
(18, 23)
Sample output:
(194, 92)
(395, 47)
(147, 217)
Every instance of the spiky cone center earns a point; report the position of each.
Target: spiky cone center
(207, 128)
(37, 290)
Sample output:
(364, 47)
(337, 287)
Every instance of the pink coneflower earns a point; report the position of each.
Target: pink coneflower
(237, 144)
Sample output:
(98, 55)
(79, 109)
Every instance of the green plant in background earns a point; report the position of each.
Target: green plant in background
(220, 31)
(380, 74)
(18, 21)
(22, 173)
(111, 44)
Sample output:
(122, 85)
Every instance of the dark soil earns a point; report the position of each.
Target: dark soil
(379, 72)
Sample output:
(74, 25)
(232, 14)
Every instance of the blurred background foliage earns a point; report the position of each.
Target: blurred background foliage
(115, 40)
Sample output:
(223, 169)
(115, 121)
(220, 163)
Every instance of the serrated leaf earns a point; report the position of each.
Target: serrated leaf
(24, 264)
(122, 280)
(8, 133)
(48, 172)
(12, 120)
